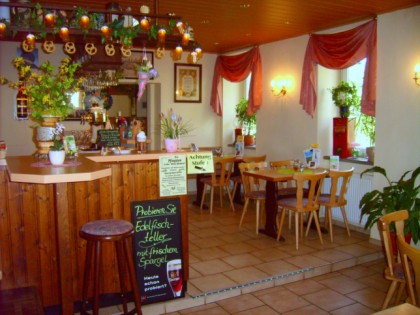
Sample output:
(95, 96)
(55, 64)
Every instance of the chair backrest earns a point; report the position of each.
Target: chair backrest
(251, 183)
(337, 196)
(314, 185)
(249, 159)
(281, 163)
(397, 218)
(224, 167)
(407, 253)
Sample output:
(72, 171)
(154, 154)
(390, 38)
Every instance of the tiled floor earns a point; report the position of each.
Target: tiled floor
(235, 271)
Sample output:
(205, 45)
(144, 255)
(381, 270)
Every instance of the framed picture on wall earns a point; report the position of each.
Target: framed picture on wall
(129, 63)
(187, 83)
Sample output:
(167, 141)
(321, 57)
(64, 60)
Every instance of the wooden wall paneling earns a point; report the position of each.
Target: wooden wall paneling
(140, 187)
(64, 239)
(6, 264)
(117, 190)
(128, 189)
(152, 180)
(48, 244)
(31, 235)
(76, 196)
(17, 235)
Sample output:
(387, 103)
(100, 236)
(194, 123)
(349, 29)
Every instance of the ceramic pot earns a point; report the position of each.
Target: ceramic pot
(57, 157)
(44, 135)
(171, 145)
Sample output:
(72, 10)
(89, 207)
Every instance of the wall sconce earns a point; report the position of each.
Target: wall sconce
(278, 87)
(416, 74)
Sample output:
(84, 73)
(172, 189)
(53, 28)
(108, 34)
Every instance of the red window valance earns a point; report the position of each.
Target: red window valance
(235, 69)
(339, 51)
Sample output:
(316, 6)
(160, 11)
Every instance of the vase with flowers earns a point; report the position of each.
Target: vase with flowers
(172, 127)
(57, 153)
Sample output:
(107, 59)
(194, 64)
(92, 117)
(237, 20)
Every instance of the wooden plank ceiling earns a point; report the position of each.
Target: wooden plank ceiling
(221, 26)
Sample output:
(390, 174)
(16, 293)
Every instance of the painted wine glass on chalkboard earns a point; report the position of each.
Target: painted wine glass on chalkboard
(174, 273)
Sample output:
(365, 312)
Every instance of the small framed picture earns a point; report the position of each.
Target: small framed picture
(187, 83)
(312, 164)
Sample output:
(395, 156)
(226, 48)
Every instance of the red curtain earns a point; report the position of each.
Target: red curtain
(339, 51)
(235, 69)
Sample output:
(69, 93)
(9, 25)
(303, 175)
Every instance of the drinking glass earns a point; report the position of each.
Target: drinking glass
(174, 273)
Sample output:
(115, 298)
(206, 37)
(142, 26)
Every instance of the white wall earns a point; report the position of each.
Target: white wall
(18, 134)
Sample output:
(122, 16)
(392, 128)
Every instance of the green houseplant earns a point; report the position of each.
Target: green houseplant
(48, 89)
(345, 96)
(248, 121)
(398, 195)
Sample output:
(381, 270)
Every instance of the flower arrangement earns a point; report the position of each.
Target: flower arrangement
(48, 90)
(172, 125)
(58, 136)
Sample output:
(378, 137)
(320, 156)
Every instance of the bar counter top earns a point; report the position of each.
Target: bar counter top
(28, 169)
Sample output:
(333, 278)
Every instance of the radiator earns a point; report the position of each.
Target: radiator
(357, 188)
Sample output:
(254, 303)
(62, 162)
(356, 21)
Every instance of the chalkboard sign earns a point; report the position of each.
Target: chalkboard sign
(158, 249)
(109, 138)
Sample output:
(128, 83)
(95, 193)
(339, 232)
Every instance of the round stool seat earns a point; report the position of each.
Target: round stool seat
(111, 229)
(120, 232)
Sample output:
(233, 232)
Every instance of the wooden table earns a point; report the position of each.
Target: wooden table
(272, 176)
(402, 309)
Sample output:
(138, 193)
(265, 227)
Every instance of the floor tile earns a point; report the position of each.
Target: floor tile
(240, 303)
(283, 301)
(211, 267)
(369, 297)
(305, 287)
(242, 260)
(353, 309)
(328, 300)
(342, 284)
(245, 275)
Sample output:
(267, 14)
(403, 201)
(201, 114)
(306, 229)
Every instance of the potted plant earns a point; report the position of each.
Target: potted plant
(48, 90)
(57, 154)
(366, 125)
(49, 93)
(248, 121)
(172, 128)
(344, 96)
(398, 195)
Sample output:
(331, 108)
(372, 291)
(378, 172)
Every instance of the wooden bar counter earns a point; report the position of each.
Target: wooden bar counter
(43, 208)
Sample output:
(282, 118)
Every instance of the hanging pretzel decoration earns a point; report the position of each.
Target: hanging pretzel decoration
(110, 50)
(26, 47)
(160, 53)
(91, 49)
(126, 52)
(70, 48)
(48, 46)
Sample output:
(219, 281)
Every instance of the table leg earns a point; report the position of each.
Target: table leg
(63, 248)
(200, 188)
(271, 210)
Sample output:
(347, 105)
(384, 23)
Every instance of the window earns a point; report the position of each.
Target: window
(364, 124)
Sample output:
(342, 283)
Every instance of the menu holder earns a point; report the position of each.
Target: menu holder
(109, 138)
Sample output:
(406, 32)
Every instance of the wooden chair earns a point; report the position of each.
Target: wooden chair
(237, 179)
(393, 270)
(285, 189)
(410, 258)
(340, 181)
(252, 190)
(224, 165)
(301, 204)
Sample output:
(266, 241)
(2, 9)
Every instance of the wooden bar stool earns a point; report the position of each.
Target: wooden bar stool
(120, 232)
